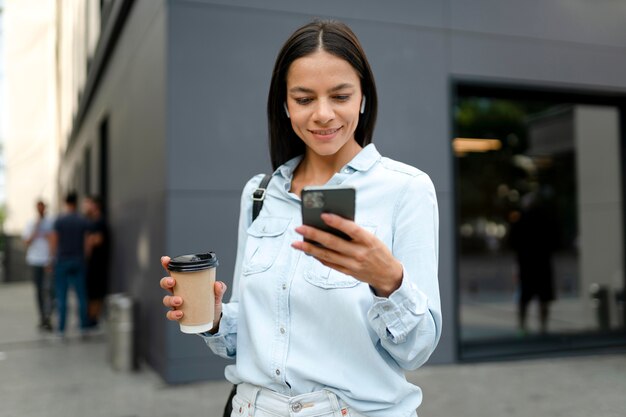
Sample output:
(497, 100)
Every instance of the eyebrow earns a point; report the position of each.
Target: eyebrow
(299, 89)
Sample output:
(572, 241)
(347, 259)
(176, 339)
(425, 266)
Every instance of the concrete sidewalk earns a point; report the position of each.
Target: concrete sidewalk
(44, 377)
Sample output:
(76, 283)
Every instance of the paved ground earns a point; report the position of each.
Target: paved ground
(44, 377)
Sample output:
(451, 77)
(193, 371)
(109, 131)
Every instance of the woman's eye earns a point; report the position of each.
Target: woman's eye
(342, 98)
(303, 100)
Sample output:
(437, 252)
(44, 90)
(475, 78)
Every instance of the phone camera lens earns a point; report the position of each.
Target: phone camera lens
(313, 200)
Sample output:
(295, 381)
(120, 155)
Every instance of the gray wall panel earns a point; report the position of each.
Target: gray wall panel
(218, 86)
(579, 21)
(522, 60)
(190, 359)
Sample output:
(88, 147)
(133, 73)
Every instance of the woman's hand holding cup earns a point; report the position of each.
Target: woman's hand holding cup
(175, 302)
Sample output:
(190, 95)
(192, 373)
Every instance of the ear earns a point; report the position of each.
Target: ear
(286, 110)
(363, 105)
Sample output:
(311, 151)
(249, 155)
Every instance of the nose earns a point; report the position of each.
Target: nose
(324, 112)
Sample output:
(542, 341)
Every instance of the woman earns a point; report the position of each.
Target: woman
(329, 334)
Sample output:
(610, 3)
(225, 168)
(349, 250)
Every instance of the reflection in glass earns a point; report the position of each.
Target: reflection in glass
(539, 222)
(534, 238)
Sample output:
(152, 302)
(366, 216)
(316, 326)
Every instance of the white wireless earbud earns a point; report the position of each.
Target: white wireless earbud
(287, 111)
(363, 105)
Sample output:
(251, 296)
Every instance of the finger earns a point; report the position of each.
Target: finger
(328, 240)
(167, 283)
(172, 301)
(174, 315)
(322, 254)
(165, 261)
(347, 226)
(220, 289)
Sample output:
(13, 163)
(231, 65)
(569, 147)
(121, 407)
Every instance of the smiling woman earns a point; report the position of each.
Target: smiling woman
(327, 334)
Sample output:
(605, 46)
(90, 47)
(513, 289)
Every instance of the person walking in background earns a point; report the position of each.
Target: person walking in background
(67, 242)
(38, 257)
(97, 251)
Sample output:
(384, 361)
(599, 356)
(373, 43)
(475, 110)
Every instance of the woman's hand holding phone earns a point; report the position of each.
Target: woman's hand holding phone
(365, 257)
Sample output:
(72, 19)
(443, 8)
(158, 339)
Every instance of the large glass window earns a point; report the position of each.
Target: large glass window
(540, 221)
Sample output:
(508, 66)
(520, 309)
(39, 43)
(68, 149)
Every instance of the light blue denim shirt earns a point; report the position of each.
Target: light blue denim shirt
(296, 326)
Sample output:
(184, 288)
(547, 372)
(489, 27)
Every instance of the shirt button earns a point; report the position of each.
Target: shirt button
(282, 330)
(278, 372)
(296, 407)
(284, 286)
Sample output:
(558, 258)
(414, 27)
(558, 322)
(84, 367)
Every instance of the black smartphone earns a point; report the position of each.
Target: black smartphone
(339, 200)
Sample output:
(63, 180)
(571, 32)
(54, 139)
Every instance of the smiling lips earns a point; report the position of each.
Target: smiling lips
(325, 132)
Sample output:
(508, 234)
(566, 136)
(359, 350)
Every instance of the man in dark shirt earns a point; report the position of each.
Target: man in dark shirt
(97, 258)
(67, 242)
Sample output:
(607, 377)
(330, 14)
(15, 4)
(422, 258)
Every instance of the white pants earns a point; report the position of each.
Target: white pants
(252, 400)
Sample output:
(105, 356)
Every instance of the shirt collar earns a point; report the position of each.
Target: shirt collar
(363, 161)
(286, 169)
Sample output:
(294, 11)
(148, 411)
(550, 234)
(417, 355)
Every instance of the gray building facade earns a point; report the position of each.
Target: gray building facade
(173, 121)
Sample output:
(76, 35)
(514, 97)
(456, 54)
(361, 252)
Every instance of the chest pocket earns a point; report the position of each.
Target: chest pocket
(325, 277)
(265, 240)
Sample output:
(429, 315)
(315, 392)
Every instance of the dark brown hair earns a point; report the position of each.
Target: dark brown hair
(71, 198)
(337, 39)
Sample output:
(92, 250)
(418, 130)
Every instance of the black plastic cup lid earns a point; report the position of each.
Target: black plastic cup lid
(191, 263)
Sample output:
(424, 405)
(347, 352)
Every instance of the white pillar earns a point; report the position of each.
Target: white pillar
(600, 206)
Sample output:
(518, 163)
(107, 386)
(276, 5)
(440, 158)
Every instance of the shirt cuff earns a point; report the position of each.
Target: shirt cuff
(394, 317)
(219, 342)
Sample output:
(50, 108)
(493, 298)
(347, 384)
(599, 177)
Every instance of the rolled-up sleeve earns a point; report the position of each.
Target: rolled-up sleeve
(408, 322)
(224, 342)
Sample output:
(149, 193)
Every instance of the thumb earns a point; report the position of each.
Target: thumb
(220, 290)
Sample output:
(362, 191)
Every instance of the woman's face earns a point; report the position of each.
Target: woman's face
(323, 99)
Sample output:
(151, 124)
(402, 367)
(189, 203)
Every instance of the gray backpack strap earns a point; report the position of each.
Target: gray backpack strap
(259, 195)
